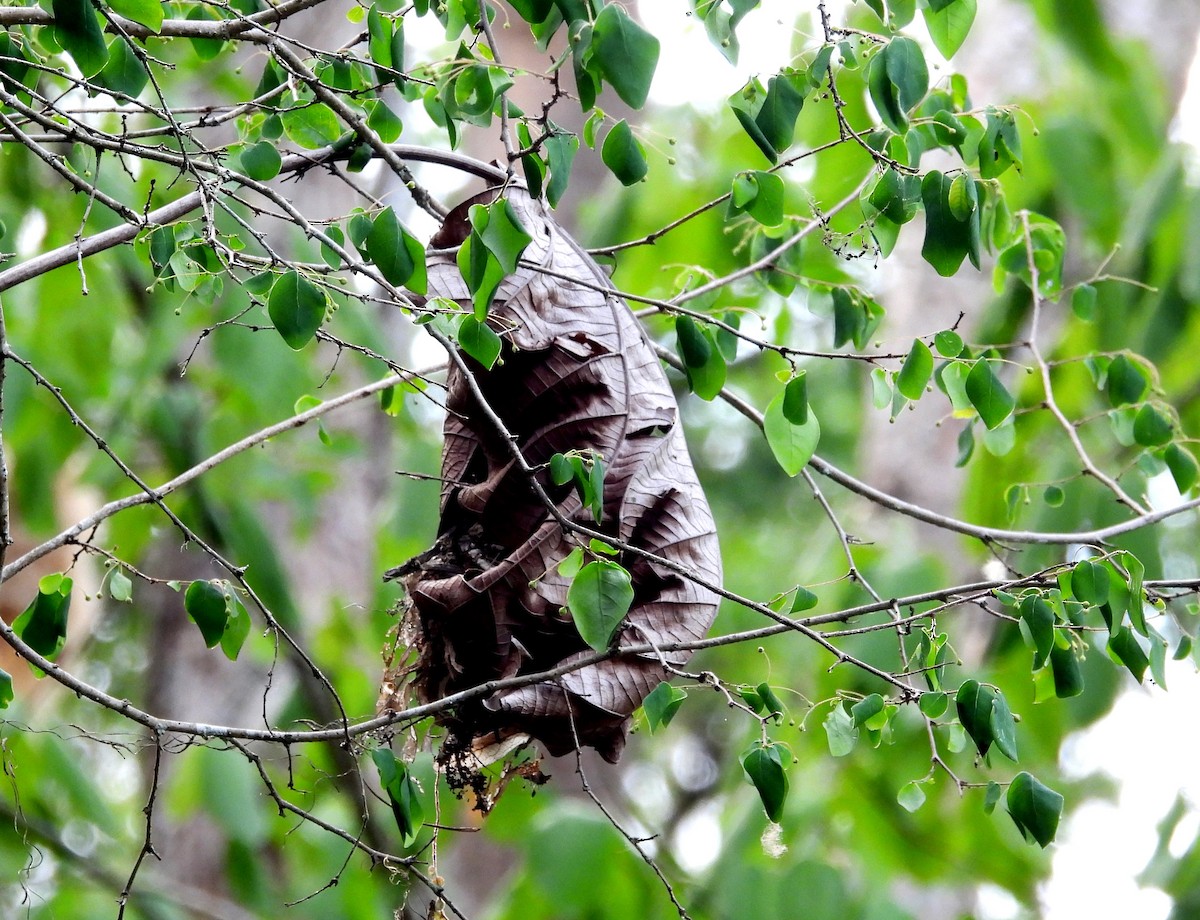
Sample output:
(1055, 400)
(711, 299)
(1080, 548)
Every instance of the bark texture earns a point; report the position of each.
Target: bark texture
(576, 373)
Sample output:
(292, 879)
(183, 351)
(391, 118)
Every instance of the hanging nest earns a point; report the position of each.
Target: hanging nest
(576, 373)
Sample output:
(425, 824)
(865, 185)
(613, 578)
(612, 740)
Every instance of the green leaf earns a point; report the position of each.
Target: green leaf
(776, 119)
(1083, 302)
(1124, 647)
(43, 624)
(561, 470)
(988, 395)
(1152, 427)
(297, 309)
(1000, 145)
(599, 598)
(840, 731)
(1004, 727)
(907, 71)
(948, 22)
(206, 606)
(974, 702)
(1068, 675)
(403, 793)
(1054, 496)
(123, 73)
(1037, 623)
(916, 371)
(387, 247)
(120, 588)
(1034, 808)
(795, 399)
(793, 445)
(1090, 583)
(384, 122)
(1127, 381)
(504, 235)
(77, 29)
(261, 161)
(479, 341)
(661, 704)
(949, 344)
(1183, 466)
(572, 562)
(895, 196)
(911, 796)
(991, 798)
(702, 359)
(760, 194)
(561, 148)
(622, 153)
(933, 703)
(866, 709)
(625, 54)
(961, 197)
(237, 627)
(6, 689)
(804, 600)
(148, 12)
(771, 702)
(311, 126)
(948, 240)
(764, 768)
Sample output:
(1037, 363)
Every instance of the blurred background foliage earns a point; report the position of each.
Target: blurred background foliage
(316, 518)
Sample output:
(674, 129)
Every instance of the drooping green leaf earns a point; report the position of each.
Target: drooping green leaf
(297, 308)
(776, 119)
(124, 72)
(120, 588)
(43, 624)
(907, 71)
(1000, 146)
(1083, 302)
(1183, 466)
(479, 341)
(599, 598)
(504, 235)
(237, 627)
(623, 155)
(1004, 727)
(6, 689)
(1068, 675)
(948, 240)
(974, 702)
(1090, 583)
(561, 148)
(77, 29)
(206, 606)
(840, 731)
(387, 248)
(625, 54)
(916, 371)
(1124, 647)
(702, 359)
(795, 399)
(771, 701)
(402, 792)
(793, 445)
(1034, 808)
(764, 768)
(1152, 427)
(948, 22)
(1127, 382)
(911, 796)
(988, 395)
(991, 797)
(661, 704)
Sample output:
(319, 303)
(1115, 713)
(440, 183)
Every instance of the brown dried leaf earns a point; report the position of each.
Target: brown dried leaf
(577, 373)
